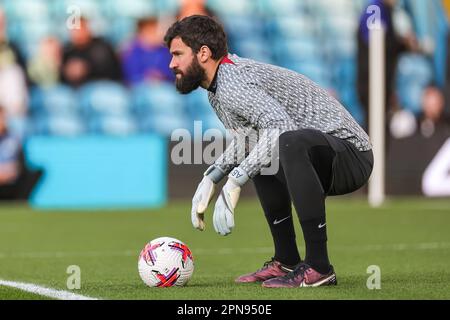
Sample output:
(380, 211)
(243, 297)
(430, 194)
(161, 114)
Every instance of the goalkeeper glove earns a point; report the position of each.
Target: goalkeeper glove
(226, 203)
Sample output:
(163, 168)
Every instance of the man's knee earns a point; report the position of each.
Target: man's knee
(297, 142)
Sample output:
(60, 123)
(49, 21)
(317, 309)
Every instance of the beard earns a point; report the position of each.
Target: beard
(191, 79)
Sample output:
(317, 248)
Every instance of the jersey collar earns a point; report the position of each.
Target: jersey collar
(213, 86)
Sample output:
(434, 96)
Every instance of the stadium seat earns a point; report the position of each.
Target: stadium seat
(106, 106)
(115, 125)
(58, 125)
(253, 48)
(414, 73)
(270, 8)
(121, 31)
(88, 8)
(243, 26)
(167, 7)
(197, 105)
(232, 7)
(26, 10)
(104, 97)
(132, 9)
(314, 69)
(58, 99)
(291, 27)
(164, 124)
(302, 49)
(160, 98)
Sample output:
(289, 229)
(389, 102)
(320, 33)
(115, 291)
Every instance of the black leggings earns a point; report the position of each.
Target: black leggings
(312, 165)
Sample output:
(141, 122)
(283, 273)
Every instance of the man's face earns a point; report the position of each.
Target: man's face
(188, 71)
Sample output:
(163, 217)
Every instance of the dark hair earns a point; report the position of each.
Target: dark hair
(146, 21)
(197, 31)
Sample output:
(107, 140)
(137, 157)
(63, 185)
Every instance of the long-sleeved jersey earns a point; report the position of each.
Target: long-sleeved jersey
(252, 96)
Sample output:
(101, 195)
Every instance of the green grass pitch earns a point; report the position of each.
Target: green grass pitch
(408, 238)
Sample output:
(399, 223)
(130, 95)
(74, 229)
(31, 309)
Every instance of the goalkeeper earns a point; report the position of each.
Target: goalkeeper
(321, 149)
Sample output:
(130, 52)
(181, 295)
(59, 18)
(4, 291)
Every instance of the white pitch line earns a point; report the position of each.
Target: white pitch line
(43, 291)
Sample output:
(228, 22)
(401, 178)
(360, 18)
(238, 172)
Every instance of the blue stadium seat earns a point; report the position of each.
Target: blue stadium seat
(57, 100)
(58, 125)
(160, 98)
(26, 10)
(88, 8)
(313, 69)
(200, 109)
(242, 26)
(164, 124)
(167, 7)
(270, 8)
(197, 105)
(132, 9)
(107, 107)
(55, 111)
(121, 31)
(348, 97)
(116, 125)
(291, 27)
(253, 48)
(302, 49)
(104, 97)
(232, 7)
(414, 73)
(159, 108)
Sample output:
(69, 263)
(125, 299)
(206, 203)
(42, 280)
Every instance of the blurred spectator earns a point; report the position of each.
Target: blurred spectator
(13, 82)
(433, 104)
(447, 79)
(9, 52)
(88, 58)
(13, 90)
(192, 7)
(395, 45)
(147, 58)
(16, 181)
(446, 4)
(43, 68)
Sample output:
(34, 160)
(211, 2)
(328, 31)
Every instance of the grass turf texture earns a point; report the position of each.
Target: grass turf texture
(408, 239)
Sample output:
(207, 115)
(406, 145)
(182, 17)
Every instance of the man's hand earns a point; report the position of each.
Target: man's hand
(202, 197)
(226, 203)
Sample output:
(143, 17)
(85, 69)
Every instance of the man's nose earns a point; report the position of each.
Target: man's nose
(172, 64)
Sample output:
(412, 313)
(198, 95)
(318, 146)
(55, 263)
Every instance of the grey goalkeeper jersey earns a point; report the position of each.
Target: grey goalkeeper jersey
(252, 96)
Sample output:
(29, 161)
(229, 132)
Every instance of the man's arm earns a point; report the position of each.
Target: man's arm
(233, 155)
(271, 119)
(264, 113)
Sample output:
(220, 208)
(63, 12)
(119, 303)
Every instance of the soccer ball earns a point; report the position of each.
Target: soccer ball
(165, 262)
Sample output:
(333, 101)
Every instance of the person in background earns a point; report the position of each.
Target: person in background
(87, 58)
(147, 58)
(13, 81)
(9, 52)
(433, 104)
(395, 45)
(43, 68)
(194, 7)
(16, 180)
(447, 77)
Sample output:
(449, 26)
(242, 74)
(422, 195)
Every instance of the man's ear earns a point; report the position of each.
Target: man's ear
(204, 54)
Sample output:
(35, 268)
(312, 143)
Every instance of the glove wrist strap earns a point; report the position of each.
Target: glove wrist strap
(239, 176)
(215, 174)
